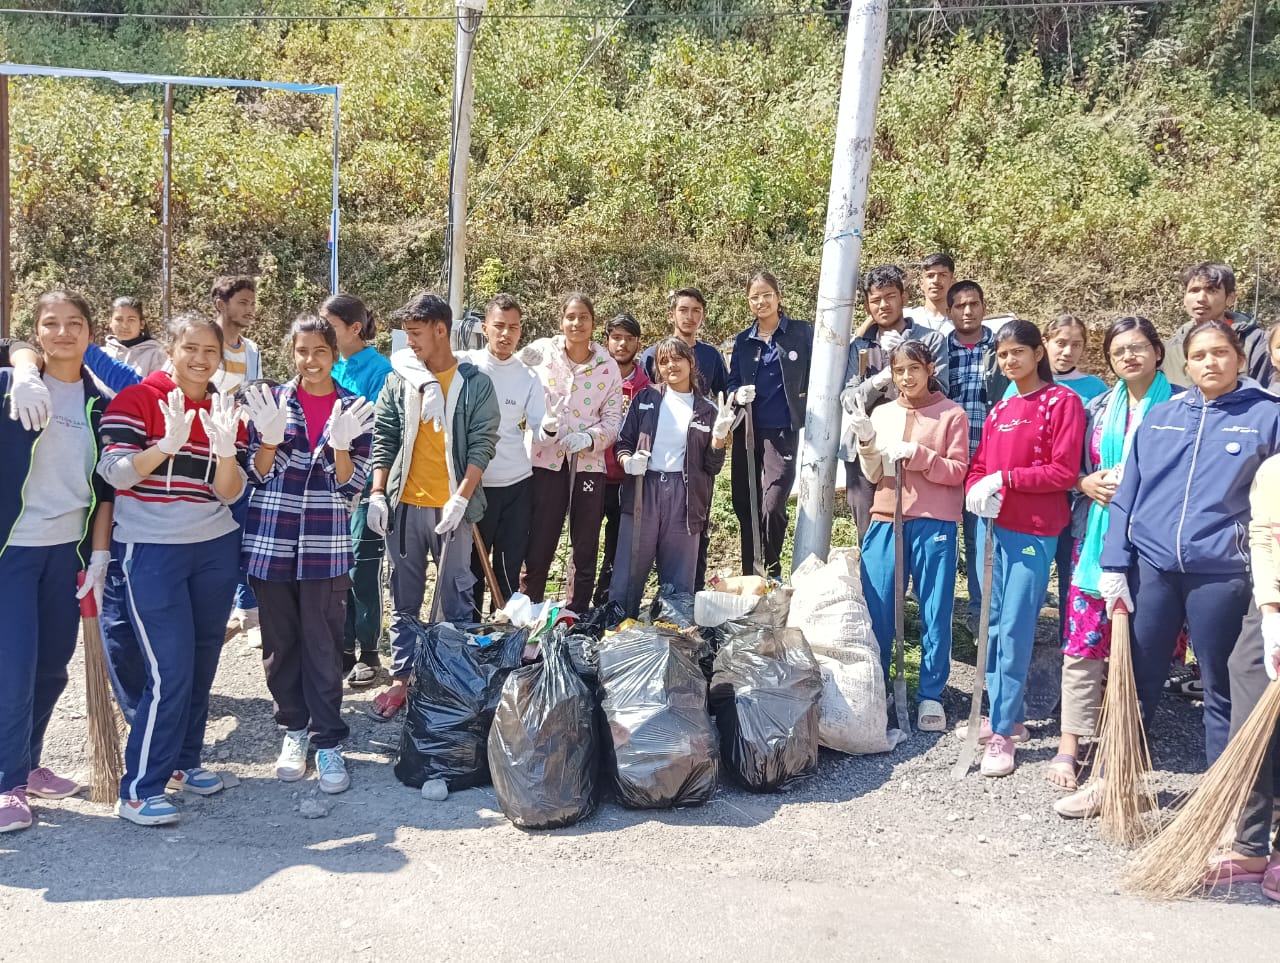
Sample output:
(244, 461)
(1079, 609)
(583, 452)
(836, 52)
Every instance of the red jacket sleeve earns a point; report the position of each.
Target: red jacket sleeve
(1066, 442)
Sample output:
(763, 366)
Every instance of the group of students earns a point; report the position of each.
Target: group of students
(177, 490)
(212, 487)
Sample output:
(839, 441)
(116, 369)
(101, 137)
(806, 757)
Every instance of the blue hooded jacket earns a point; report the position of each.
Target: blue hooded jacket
(1183, 503)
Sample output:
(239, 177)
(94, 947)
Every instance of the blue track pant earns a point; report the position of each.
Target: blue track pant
(929, 552)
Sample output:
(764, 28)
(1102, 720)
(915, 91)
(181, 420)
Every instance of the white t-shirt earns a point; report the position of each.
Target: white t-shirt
(57, 493)
(673, 431)
(522, 403)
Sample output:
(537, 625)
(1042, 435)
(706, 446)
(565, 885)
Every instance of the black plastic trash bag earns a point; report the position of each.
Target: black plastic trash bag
(543, 745)
(457, 680)
(582, 654)
(766, 690)
(674, 608)
(599, 620)
(654, 697)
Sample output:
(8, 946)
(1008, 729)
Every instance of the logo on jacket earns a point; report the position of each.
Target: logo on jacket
(1241, 429)
(588, 486)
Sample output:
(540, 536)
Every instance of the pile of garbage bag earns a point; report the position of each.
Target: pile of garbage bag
(457, 679)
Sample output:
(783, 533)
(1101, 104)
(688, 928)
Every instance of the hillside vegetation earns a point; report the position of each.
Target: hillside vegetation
(1071, 160)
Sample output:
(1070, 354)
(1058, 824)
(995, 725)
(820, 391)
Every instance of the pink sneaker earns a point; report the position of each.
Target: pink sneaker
(15, 814)
(998, 760)
(47, 784)
(1020, 732)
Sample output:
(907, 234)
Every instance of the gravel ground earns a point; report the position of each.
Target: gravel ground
(881, 857)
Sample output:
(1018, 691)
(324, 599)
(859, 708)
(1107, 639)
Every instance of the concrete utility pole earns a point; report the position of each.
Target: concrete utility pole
(468, 13)
(838, 282)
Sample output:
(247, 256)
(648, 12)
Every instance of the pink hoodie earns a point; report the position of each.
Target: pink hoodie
(933, 483)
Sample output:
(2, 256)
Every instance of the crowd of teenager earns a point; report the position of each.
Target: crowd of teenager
(201, 501)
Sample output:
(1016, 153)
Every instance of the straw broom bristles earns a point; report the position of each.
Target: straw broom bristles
(1124, 759)
(105, 761)
(1173, 865)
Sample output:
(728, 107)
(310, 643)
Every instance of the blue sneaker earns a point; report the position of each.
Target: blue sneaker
(200, 781)
(153, 811)
(332, 770)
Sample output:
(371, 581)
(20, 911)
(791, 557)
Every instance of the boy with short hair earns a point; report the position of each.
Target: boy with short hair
(504, 527)
(622, 341)
(1209, 294)
(235, 299)
(435, 432)
(883, 290)
(937, 273)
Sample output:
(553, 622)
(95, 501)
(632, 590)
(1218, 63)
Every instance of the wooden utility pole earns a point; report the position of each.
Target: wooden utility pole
(468, 21)
(838, 281)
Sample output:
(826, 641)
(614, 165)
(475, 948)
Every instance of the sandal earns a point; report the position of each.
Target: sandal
(1067, 767)
(930, 717)
(1271, 881)
(1232, 872)
(362, 676)
(387, 705)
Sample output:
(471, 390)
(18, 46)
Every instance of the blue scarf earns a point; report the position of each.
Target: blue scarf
(1113, 449)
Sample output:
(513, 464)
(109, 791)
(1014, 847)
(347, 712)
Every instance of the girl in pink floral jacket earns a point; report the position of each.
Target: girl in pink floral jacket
(584, 416)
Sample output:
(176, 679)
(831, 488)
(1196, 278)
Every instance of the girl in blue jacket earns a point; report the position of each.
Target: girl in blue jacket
(52, 507)
(362, 369)
(1177, 544)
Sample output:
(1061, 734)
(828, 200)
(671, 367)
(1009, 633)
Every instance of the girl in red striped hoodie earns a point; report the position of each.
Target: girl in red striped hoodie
(1027, 461)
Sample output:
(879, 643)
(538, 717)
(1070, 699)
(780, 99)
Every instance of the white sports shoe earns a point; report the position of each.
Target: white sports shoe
(291, 765)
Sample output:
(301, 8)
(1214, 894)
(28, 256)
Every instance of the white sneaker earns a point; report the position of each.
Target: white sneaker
(291, 765)
(332, 770)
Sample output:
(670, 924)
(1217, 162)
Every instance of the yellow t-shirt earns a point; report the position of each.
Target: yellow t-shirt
(427, 484)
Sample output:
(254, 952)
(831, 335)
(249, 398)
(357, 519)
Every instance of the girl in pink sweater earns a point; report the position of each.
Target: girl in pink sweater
(925, 437)
(1028, 459)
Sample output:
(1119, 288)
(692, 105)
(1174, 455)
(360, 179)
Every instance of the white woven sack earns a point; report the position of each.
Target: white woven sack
(854, 714)
(827, 604)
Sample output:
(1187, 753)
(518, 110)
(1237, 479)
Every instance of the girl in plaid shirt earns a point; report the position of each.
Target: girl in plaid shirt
(309, 446)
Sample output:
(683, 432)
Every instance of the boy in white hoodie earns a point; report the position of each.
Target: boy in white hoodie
(504, 527)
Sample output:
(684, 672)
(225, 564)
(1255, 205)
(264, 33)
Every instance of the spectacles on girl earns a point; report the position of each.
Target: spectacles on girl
(1137, 350)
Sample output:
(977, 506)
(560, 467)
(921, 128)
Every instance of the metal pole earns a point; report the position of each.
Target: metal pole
(468, 14)
(333, 218)
(6, 291)
(838, 281)
(166, 204)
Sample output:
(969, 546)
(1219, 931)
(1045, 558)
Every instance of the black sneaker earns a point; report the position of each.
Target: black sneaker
(1184, 680)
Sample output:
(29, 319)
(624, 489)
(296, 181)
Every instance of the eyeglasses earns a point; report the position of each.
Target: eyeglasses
(1137, 350)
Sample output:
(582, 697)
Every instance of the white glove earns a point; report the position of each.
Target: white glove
(890, 340)
(985, 497)
(550, 424)
(451, 514)
(95, 576)
(860, 421)
(221, 422)
(744, 395)
(724, 420)
(1114, 588)
(348, 424)
(266, 414)
(29, 400)
(1271, 644)
(577, 441)
(432, 402)
(881, 379)
(177, 422)
(378, 513)
(636, 464)
(897, 451)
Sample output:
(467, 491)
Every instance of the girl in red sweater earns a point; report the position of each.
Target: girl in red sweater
(1028, 459)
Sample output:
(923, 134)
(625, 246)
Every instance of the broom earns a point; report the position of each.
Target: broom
(1173, 865)
(1124, 759)
(105, 761)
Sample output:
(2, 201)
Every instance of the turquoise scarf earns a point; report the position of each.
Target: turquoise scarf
(1113, 449)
